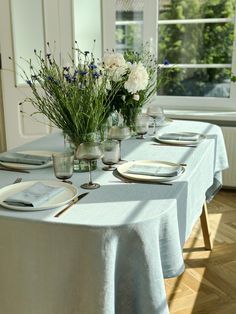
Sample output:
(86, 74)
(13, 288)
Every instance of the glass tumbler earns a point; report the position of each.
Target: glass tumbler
(111, 154)
(141, 125)
(63, 165)
(156, 112)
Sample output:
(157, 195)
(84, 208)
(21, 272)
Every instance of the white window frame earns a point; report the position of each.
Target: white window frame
(150, 30)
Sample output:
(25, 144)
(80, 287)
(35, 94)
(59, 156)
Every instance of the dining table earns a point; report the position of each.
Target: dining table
(111, 251)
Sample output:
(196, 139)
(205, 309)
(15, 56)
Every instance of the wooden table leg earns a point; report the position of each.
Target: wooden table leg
(205, 228)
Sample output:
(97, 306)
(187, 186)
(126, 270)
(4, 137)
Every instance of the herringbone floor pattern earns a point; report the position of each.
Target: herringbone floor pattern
(208, 284)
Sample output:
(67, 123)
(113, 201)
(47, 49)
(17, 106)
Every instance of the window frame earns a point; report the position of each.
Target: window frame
(150, 34)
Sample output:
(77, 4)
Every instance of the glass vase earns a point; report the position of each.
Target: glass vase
(80, 165)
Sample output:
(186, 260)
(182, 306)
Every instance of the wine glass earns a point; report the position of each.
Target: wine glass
(111, 153)
(89, 151)
(141, 125)
(156, 112)
(119, 133)
(63, 165)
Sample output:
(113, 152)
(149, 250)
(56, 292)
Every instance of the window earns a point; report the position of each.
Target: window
(195, 36)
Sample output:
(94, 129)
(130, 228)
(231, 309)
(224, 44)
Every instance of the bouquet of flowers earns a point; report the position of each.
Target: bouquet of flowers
(76, 98)
(136, 77)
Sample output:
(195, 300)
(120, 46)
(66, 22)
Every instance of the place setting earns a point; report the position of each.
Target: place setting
(26, 160)
(38, 195)
(190, 139)
(149, 171)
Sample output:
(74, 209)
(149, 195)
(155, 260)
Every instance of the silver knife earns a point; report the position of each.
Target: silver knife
(74, 201)
(5, 168)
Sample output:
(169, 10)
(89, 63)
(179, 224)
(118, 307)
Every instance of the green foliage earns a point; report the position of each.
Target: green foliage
(74, 98)
(196, 43)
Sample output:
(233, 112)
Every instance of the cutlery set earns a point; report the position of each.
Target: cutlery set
(74, 201)
(176, 145)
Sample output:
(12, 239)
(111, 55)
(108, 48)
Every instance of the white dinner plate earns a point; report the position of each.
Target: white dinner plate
(58, 200)
(27, 166)
(123, 168)
(180, 142)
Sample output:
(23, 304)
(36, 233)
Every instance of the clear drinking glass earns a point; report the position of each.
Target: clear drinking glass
(119, 133)
(111, 153)
(89, 151)
(156, 112)
(141, 125)
(63, 165)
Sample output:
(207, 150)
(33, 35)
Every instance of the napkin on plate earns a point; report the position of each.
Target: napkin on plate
(180, 136)
(157, 171)
(34, 196)
(24, 158)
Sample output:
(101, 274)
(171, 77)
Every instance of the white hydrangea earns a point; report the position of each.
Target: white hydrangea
(116, 64)
(137, 79)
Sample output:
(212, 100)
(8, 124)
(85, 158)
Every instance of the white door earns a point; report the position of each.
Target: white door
(26, 25)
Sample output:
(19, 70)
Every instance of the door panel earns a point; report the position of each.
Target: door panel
(24, 26)
(20, 34)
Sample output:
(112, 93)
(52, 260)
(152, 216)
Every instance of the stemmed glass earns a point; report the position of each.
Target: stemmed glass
(111, 153)
(63, 165)
(119, 133)
(89, 151)
(156, 112)
(141, 125)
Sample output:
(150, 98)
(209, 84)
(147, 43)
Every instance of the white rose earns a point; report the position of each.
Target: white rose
(137, 79)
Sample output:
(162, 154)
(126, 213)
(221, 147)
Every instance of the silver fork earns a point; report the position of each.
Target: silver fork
(18, 180)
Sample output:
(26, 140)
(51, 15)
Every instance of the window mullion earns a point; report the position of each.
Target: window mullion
(196, 21)
(150, 21)
(109, 21)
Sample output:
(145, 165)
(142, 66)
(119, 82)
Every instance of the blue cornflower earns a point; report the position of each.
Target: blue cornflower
(68, 77)
(92, 66)
(166, 62)
(83, 72)
(29, 83)
(66, 68)
(50, 78)
(96, 74)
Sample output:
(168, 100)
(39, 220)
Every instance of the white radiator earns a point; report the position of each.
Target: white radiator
(229, 175)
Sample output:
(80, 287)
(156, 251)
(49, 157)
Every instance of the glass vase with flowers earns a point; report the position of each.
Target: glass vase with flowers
(75, 98)
(137, 77)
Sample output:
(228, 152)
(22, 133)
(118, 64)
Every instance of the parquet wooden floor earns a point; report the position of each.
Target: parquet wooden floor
(208, 284)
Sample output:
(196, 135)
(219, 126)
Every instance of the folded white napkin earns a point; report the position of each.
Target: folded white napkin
(157, 171)
(34, 196)
(24, 158)
(180, 136)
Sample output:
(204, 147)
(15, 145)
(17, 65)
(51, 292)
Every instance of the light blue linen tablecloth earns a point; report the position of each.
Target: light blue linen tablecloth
(109, 253)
